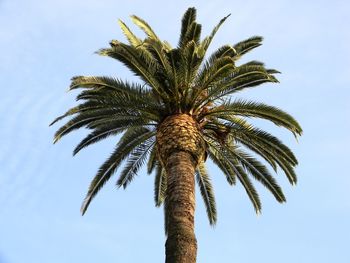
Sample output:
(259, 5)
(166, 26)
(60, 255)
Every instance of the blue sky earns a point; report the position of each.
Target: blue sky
(44, 43)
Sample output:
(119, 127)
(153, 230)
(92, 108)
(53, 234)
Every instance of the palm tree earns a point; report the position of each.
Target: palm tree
(179, 114)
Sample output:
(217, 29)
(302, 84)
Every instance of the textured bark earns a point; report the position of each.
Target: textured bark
(180, 146)
(181, 244)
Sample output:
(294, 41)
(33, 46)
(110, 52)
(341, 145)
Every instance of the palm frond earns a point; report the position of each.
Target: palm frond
(193, 34)
(133, 40)
(110, 92)
(247, 184)
(126, 144)
(152, 160)
(160, 53)
(185, 65)
(175, 65)
(207, 192)
(190, 65)
(138, 61)
(142, 24)
(211, 72)
(247, 45)
(104, 87)
(115, 127)
(236, 82)
(206, 41)
(87, 106)
(288, 170)
(121, 118)
(235, 79)
(247, 133)
(257, 110)
(80, 121)
(271, 157)
(134, 162)
(224, 51)
(188, 19)
(89, 82)
(221, 160)
(230, 161)
(259, 172)
(160, 185)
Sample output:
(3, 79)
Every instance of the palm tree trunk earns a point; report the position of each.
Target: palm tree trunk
(181, 244)
(180, 146)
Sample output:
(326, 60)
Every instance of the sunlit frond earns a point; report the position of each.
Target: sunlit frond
(259, 172)
(188, 19)
(247, 45)
(144, 26)
(134, 162)
(152, 160)
(238, 171)
(207, 192)
(206, 41)
(127, 143)
(257, 110)
(160, 185)
(133, 40)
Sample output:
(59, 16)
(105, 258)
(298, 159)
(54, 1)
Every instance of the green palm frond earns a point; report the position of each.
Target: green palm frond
(115, 127)
(90, 82)
(107, 89)
(80, 121)
(259, 172)
(165, 72)
(257, 110)
(270, 148)
(188, 19)
(248, 186)
(189, 61)
(207, 192)
(216, 70)
(221, 160)
(125, 120)
(211, 72)
(83, 107)
(152, 160)
(127, 143)
(144, 27)
(288, 169)
(245, 132)
(134, 162)
(193, 33)
(242, 77)
(206, 41)
(141, 63)
(231, 164)
(113, 93)
(247, 45)
(234, 133)
(256, 147)
(224, 51)
(133, 40)
(160, 185)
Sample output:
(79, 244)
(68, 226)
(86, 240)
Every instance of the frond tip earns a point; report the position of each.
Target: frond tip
(207, 192)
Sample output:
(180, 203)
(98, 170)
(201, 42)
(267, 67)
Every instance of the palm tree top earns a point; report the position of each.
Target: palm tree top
(182, 81)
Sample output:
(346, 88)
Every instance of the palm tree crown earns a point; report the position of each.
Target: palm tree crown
(182, 81)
